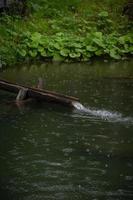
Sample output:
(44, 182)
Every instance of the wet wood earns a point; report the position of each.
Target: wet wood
(39, 94)
(40, 84)
(22, 94)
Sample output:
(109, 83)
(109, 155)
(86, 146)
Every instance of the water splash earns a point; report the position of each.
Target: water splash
(104, 114)
(78, 106)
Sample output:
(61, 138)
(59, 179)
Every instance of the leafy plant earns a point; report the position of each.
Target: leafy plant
(66, 30)
(66, 47)
(104, 23)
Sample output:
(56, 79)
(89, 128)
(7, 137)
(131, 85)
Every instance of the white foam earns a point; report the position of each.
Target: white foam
(78, 106)
(104, 114)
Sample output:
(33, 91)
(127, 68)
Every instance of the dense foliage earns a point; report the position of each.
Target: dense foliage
(63, 46)
(68, 31)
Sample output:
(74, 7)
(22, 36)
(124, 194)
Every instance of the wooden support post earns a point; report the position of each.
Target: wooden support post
(40, 84)
(22, 94)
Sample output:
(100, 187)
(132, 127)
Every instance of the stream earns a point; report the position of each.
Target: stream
(49, 151)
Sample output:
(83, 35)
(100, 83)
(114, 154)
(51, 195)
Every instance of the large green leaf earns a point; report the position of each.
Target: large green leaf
(74, 55)
(36, 36)
(99, 42)
(40, 49)
(64, 52)
(98, 34)
(44, 41)
(57, 46)
(33, 53)
(76, 45)
(98, 52)
(51, 49)
(103, 14)
(86, 56)
(34, 44)
(43, 53)
(131, 49)
(114, 54)
(22, 52)
(78, 50)
(91, 48)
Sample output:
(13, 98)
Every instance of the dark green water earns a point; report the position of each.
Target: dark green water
(56, 153)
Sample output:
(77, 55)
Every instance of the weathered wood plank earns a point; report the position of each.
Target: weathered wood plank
(39, 94)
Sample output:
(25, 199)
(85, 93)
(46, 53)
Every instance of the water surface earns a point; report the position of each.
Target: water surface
(48, 151)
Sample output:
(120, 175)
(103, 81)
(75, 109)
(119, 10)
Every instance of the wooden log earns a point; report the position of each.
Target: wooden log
(38, 94)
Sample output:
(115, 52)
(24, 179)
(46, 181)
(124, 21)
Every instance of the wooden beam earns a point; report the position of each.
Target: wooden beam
(39, 94)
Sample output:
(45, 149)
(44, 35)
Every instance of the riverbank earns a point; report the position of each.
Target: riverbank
(68, 31)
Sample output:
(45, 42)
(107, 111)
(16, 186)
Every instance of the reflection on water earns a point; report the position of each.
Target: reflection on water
(53, 152)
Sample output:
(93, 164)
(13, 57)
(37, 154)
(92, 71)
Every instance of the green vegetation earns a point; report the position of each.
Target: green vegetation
(75, 30)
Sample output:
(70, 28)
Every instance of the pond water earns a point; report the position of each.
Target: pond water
(52, 152)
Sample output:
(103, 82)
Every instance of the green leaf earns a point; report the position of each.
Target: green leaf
(85, 57)
(78, 50)
(57, 57)
(74, 55)
(22, 52)
(122, 40)
(98, 42)
(49, 54)
(131, 49)
(36, 36)
(27, 34)
(98, 52)
(113, 54)
(64, 52)
(34, 44)
(91, 48)
(40, 49)
(43, 53)
(44, 41)
(60, 34)
(103, 14)
(57, 46)
(33, 53)
(77, 45)
(51, 49)
(98, 34)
